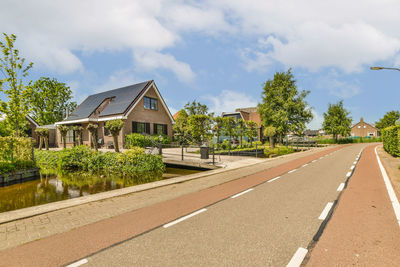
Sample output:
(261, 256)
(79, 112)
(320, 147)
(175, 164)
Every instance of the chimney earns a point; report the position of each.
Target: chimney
(361, 119)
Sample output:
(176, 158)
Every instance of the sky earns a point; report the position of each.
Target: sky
(218, 52)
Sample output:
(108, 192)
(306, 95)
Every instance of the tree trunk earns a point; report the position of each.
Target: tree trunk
(64, 137)
(46, 142)
(40, 142)
(271, 142)
(79, 140)
(96, 147)
(115, 137)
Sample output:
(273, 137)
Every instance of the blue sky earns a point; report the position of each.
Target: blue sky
(217, 52)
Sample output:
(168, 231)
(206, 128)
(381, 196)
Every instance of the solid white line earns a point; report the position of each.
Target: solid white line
(352, 167)
(325, 211)
(298, 257)
(348, 174)
(304, 165)
(184, 218)
(276, 178)
(341, 186)
(78, 263)
(389, 188)
(241, 193)
(314, 160)
(292, 171)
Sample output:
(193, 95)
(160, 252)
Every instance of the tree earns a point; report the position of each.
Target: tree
(337, 120)
(196, 108)
(389, 119)
(181, 127)
(5, 129)
(49, 100)
(43, 134)
(251, 130)
(218, 128)
(13, 70)
(63, 132)
(270, 132)
(283, 106)
(78, 132)
(240, 129)
(92, 128)
(229, 127)
(115, 126)
(200, 126)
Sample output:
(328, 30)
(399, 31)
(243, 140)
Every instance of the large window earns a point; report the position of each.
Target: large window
(106, 131)
(70, 136)
(150, 103)
(140, 127)
(160, 129)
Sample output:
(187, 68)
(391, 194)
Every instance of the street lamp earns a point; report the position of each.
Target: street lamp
(383, 68)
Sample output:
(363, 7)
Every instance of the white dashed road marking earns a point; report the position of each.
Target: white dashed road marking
(241, 193)
(298, 257)
(78, 263)
(184, 218)
(292, 171)
(340, 188)
(273, 179)
(348, 174)
(325, 211)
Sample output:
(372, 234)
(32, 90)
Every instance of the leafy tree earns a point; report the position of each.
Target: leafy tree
(92, 128)
(115, 126)
(43, 136)
(196, 108)
(283, 106)
(200, 126)
(218, 128)
(63, 132)
(389, 119)
(181, 127)
(49, 100)
(251, 130)
(337, 120)
(229, 127)
(5, 129)
(13, 69)
(241, 128)
(270, 132)
(78, 131)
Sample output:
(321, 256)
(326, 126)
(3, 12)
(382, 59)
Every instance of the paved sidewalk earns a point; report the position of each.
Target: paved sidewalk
(72, 245)
(363, 230)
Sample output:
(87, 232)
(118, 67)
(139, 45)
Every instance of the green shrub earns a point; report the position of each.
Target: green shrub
(15, 148)
(349, 140)
(76, 158)
(279, 150)
(391, 140)
(165, 139)
(18, 165)
(140, 140)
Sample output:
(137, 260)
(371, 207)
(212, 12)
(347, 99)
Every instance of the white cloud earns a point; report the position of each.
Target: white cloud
(228, 101)
(116, 80)
(339, 88)
(151, 60)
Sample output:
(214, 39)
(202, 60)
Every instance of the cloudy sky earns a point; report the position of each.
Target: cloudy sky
(219, 52)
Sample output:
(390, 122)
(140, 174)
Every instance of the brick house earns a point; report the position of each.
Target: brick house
(247, 114)
(363, 129)
(140, 106)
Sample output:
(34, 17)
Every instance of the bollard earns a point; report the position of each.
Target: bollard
(213, 156)
(256, 150)
(182, 153)
(160, 149)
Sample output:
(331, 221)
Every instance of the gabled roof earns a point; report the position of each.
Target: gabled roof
(29, 118)
(122, 100)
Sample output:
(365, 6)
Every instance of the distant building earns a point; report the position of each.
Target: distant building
(30, 130)
(363, 129)
(247, 114)
(140, 106)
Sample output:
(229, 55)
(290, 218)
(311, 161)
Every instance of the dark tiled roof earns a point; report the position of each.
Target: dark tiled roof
(123, 97)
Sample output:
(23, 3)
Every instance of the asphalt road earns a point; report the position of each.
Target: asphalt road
(264, 226)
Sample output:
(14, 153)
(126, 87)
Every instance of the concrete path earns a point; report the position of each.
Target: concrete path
(364, 230)
(69, 246)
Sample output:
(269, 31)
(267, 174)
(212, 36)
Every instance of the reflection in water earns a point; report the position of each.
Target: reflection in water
(50, 188)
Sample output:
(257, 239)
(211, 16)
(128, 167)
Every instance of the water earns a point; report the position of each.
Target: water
(51, 188)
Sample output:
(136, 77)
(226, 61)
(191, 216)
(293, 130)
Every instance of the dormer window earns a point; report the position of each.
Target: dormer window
(150, 103)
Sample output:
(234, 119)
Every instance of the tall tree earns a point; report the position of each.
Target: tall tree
(49, 100)
(200, 127)
(229, 127)
(218, 128)
(93, 135)
(181, 128)
(196, 108)
(283, 106)
(251, 130)
(270, 132)
(241, 128)
(389, 119)
(13, 69)
(337, 120)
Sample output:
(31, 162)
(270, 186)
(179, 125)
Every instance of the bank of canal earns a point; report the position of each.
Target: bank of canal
(51, 188)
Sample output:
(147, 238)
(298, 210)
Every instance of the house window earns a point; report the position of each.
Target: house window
(365, 126)
(150, 103)
(371, 134)
(140, 127)
(359, 127)
(160, 129)
(70, 136)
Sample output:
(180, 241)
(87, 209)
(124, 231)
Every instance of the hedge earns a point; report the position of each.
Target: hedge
(391, 140)
(15, 148)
